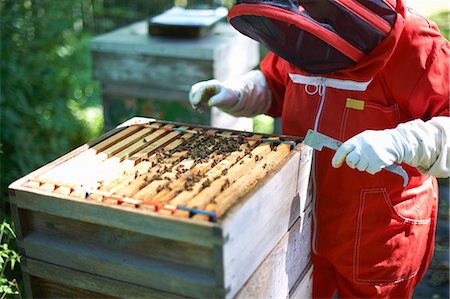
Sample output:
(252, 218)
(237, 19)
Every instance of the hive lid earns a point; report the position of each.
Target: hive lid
(182, 22)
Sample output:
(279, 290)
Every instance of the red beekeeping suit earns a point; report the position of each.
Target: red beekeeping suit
(371, 236)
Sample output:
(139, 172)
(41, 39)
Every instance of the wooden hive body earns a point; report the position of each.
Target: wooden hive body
(108, 244)
(166, 68)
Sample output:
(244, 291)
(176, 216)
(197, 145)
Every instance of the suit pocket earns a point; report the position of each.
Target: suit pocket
(390, 245)
(366, 115)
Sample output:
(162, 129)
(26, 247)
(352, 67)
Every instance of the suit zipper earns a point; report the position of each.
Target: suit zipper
(321, 88)
(320, 85)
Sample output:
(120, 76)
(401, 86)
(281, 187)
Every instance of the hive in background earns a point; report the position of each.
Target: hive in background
(166, 209)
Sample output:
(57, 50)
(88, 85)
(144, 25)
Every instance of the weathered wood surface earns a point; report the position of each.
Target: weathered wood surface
(129, 55)
(55, 238)
(146, 272)
(134, 220)
(48, 289)
(53, 281)
(168, 254)
(283, 270)
(130, 63)
(124, 242)
(272, 207)
(283, 267)
(303, 289)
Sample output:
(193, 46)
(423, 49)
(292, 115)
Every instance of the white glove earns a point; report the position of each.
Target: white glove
(212, 93)
(248, 95)
(425, 145)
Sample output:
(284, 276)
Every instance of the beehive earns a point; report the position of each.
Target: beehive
(158, 209)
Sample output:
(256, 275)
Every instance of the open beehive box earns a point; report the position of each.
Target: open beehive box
(158, 209)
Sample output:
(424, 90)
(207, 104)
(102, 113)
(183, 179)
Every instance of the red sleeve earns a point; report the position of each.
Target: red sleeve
(430, 96)
(418, 70)
(271, 67)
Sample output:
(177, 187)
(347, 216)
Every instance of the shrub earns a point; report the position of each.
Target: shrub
(50, 104)
(8, 260)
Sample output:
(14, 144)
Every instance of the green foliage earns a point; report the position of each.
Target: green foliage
(49, 102)
(9, 257)
(442, 19)
(263, 124)
(111, 14)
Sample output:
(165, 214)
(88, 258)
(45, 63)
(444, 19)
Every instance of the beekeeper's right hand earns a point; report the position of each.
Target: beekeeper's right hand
(248, 95)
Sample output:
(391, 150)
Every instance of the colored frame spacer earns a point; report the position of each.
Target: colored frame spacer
(212, 215)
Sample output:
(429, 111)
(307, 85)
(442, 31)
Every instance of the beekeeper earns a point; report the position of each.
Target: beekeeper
(375, 75)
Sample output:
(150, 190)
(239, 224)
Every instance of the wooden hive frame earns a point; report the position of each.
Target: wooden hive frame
(105, 243)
